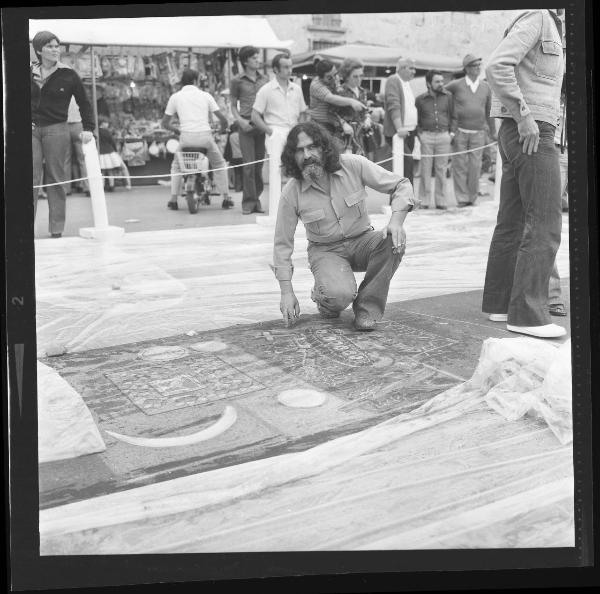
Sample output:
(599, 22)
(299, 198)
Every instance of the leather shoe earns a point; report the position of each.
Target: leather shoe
(546, 331)
(247, 212)
(259, 210)
(172, 205)
(226, 204)
(55, 235)
(364, 323)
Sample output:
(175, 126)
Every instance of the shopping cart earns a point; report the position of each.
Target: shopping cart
(193, 162)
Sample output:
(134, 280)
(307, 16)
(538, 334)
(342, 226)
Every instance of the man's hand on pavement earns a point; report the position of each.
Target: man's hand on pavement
(289, 308)
(529, 134)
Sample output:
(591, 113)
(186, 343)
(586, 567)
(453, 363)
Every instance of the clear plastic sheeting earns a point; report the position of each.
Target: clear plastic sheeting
(526, 376)
(452, 473)
(66, 428)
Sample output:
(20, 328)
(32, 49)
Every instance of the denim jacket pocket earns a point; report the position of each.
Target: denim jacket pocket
(548, 60)
(311, 219)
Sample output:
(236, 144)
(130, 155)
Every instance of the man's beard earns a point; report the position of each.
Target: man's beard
(312, 170)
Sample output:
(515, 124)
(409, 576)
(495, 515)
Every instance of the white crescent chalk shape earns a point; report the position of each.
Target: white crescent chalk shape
(227, 419)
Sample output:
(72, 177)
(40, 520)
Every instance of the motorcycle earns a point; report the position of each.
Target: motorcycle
(196, 182)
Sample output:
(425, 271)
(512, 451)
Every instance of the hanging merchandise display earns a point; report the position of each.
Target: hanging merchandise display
(133, 87)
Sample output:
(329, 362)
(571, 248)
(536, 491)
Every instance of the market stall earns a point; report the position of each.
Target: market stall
(131, 67)
(379, 62)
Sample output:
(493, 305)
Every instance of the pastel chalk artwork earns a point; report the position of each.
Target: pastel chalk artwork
(163, 353)
(227, 419)
(302, 398)
(209, 346)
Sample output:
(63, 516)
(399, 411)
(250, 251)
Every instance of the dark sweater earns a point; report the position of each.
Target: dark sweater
(471, 110)
(50, 103)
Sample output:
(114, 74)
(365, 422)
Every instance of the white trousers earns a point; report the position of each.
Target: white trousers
(274, 145)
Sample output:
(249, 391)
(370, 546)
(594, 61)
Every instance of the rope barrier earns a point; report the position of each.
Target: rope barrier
(194, 171)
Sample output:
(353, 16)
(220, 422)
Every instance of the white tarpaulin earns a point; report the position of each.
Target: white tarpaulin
(450, 474)
(189, 31)
(66, 428)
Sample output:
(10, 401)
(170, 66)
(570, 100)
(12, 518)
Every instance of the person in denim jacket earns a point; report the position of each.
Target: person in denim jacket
(525, 73)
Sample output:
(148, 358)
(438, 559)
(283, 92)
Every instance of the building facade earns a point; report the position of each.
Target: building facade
(451, 33)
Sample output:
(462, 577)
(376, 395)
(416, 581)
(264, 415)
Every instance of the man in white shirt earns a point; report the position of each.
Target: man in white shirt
(193, 108)
(278, 107)
(400, 111)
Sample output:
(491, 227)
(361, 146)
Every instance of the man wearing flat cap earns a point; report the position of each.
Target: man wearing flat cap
(472, 103)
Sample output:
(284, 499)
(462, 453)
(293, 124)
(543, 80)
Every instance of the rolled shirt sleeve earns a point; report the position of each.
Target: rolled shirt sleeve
(501, 73)
(380, 179)
(285, 229)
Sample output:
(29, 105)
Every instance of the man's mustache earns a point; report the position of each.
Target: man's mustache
(311, 161)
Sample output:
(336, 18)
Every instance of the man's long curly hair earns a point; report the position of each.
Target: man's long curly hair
(321, 138)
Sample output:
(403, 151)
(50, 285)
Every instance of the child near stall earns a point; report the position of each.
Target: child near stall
(233, 155)
(111, 162)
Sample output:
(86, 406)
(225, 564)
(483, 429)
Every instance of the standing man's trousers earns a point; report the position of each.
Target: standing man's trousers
(528, 227)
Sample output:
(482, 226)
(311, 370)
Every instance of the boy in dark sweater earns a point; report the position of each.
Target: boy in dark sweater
(472, 102)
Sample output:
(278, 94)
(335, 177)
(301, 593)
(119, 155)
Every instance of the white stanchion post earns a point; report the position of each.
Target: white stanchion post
(101, 229)
(275, 144)
(398, 155)
(498, 176)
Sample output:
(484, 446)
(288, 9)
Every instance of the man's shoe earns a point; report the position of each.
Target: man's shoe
(172, 205)
(327, 313)
(442, 207)
(498, 317)
(247, 211)
(226, 204)
(364, 323)
(258, 210)
(546, 331)
(56, 235)
(557, 309)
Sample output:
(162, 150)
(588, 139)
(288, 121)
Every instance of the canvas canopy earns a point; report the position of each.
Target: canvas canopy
(189, 31)
(374, 55)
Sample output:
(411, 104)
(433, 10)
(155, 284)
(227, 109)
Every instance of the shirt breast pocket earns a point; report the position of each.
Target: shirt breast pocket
(313, 219)
(548, 60)
(355, 202)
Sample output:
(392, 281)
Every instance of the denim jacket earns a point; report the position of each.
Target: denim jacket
(525, 71)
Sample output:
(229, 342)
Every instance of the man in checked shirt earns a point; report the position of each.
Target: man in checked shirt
(328, 194)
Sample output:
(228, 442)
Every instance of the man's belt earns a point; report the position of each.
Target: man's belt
(469, 131)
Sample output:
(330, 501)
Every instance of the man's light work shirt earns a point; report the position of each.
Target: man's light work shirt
(341, 214)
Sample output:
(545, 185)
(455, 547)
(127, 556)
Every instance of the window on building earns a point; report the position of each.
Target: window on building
(320, 44)
(327, 20)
